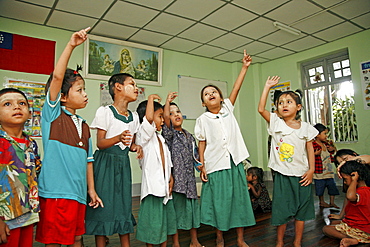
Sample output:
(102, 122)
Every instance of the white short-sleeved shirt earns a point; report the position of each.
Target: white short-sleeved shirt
(154, 180)
(223, 138)
(288, 154)
(114, 123)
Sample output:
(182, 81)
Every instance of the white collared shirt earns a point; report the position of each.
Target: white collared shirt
(154, 181)
(288, 146)
(223, 138)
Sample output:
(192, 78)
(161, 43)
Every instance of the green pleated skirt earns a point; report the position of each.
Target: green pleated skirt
(155, 220)
(112, 176)
(225, 201)
(187, 211)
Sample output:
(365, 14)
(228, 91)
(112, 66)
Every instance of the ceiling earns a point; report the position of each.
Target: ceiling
(216, 29)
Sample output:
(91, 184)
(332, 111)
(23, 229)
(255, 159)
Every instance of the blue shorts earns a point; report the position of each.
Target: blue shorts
(321, 184)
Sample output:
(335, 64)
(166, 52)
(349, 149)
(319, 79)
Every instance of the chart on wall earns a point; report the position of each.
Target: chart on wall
(35, 92)
(189, 94)
(365, 81)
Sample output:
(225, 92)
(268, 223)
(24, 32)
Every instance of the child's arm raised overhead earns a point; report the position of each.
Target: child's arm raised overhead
(149, 113)
(262, 104)
(166, 109)
(247, 60)
(351, 194)
(77, 38)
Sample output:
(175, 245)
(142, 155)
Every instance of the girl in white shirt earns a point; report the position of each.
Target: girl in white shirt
(157, 217)
(293, 161)
(116, 127)
(225, 201)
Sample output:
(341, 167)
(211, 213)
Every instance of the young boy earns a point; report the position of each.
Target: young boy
(19, 163)
(68, 156)
(157, 216)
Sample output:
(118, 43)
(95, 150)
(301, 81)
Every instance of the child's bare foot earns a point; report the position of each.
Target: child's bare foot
(176, 245)
(324, 205)
(220, 243)
(348, 242)
(279, 244)
(243, 244)
(195, 244)
(333, 205)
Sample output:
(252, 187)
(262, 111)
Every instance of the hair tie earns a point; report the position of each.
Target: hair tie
(78, 68)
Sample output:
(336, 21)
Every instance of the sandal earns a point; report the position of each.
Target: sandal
(324, 205)
(333, 205)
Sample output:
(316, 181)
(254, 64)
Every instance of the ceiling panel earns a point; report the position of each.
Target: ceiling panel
(208, 28)
(223, 19)
(194, 9)
(169, 24)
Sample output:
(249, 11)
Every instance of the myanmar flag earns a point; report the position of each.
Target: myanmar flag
(26, 54)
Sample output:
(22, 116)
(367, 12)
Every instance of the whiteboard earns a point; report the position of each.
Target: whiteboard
(190, 102)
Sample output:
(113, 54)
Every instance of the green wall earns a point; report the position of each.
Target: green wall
(288, 68)
(174, 63)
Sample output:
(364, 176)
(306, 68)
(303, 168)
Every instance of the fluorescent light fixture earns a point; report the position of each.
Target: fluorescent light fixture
(287, 28)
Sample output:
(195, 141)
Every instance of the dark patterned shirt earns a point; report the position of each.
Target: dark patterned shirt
(318, 162)
(180, 144)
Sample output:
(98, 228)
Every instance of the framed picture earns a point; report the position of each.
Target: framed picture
(105, 57)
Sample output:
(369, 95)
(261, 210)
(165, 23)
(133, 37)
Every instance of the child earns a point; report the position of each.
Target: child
(19, 164)
(115, 126)
(157, 217)
(293, 161)
(225, 203)
(340, 157)
(180, 143)
(257, 190)
(355, 227)
(67, 172)
(324, 173)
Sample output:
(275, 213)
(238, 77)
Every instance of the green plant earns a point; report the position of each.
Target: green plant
(345, 125)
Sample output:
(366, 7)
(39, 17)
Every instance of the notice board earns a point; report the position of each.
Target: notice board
(190, 102)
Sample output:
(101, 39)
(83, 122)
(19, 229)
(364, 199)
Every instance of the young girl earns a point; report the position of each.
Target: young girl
(116, 126)
(157, 217)
(257, 190)
(225, 203)
(185, 198)
(355, 227)
(324, 172)
(67, 170)
(292, 160)
(340, 157)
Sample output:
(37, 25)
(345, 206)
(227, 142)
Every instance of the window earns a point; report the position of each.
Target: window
(329, 92)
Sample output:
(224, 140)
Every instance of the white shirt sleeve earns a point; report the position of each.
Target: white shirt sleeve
(199, 131)
(101, 119)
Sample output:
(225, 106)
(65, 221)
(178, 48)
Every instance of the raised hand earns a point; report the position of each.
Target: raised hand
(155, 97)
(79, 37)
(272, 81)
(247, 60)
(171, 97)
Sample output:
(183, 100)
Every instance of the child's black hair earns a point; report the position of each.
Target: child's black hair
(342, 152)
(320, 127)
(117, 78)
(256, 171)
(141, 109)
(70, 76)
(297, 97)
(356, 166)
(13, 90)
